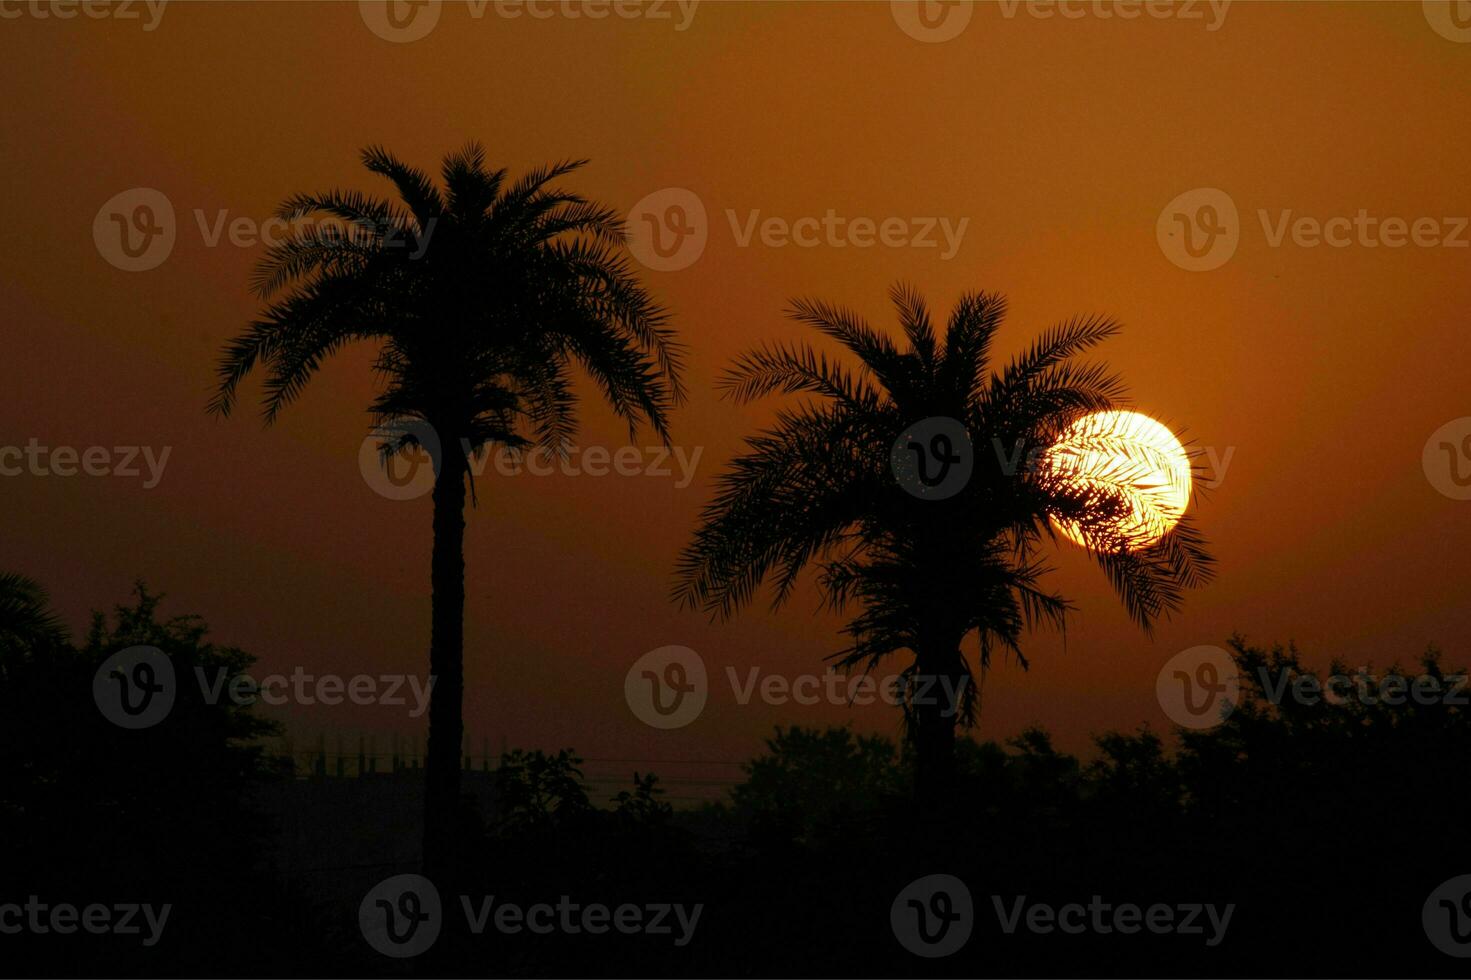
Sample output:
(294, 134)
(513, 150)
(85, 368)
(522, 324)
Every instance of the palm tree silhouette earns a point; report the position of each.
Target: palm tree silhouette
(481, 295)
(821, 488)
(27, 622)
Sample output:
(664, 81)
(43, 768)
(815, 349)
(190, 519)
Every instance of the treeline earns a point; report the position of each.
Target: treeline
(1324, 823)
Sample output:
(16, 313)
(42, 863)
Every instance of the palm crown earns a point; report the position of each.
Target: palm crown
(482, 293)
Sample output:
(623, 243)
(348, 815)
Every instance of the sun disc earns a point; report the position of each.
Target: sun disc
(1127, 457)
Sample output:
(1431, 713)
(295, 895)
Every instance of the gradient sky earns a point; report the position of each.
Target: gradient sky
(1323, 370)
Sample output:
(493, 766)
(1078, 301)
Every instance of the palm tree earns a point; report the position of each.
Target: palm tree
(481, 294)
(27, 622)
(821, 488)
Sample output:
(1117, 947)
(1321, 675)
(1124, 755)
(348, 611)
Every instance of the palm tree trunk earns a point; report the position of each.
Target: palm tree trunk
(933, 734)
(934, 757)
(447, 668)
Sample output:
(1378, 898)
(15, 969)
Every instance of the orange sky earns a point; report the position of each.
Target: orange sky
(1060, 138)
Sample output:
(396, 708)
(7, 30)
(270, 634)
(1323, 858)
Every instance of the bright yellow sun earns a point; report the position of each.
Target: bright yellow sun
(1129, 457)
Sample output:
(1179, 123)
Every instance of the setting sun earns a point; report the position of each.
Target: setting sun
(1132, 455)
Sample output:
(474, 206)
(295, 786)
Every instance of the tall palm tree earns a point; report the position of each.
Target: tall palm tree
(820, 488)
(482, 294)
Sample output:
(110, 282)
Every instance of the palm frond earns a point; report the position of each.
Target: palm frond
(27, 621)
(412, 184)
(914, 318)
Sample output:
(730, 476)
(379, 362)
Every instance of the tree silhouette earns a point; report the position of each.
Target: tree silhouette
(88, 808)
(812, 784)
(27, 622)
(819, 489)
(481, 294)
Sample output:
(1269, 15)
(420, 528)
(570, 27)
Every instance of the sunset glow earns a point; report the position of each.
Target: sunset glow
(1130, 454)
